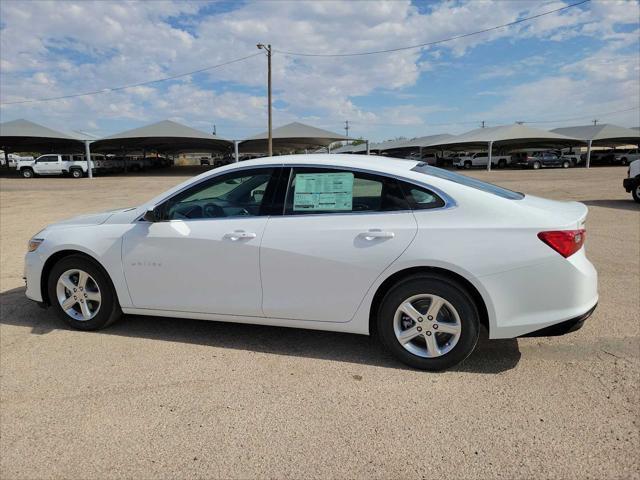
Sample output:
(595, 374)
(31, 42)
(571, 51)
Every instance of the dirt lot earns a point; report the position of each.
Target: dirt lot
(160, 398)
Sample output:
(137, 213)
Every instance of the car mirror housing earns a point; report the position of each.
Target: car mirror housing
(152, 215)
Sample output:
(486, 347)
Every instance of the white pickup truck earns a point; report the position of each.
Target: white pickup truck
(481, 159)
(55, 164)
(632, 182)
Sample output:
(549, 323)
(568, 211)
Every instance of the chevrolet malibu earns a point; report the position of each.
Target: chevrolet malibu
(422, 256)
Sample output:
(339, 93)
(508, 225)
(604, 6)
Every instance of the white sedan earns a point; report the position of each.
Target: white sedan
(347, 243)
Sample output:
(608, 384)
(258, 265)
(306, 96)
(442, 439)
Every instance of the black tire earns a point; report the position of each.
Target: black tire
(536, 165)
(624, 161)
(77, 173)
(566, 164)
(26, 173)
(635, 193)
(502, 163)
(467, 165)
(445, 288)
(109, 310)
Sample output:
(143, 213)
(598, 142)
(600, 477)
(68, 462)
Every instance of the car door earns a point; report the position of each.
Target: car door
(203, 253)
(340, 230)
(47, 165)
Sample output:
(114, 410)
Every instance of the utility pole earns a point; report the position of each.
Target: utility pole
(214, 129)
(346, 129)
(267, 48)
(482, 124)
(595, 121)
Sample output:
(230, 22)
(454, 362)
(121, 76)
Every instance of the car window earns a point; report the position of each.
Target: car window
(47, 158)
(421, 198)
(234, 194)
(323, 191)
(467, 181)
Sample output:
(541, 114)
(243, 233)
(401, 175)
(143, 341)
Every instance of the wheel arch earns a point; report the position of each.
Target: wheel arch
(55, 258)
(400, 275)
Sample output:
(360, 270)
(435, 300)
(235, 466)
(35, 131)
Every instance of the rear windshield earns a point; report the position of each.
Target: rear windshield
(467, 181)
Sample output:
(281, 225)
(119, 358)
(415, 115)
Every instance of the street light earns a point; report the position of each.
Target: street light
(262, 46)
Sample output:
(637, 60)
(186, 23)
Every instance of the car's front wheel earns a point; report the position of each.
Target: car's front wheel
(566, 164)
(536, 165)
(82, 294)
(428, 322)
(635, 193)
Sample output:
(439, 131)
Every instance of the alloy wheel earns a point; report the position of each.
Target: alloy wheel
(78, 295)
(427, 325)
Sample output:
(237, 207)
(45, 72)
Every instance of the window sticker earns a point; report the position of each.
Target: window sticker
(323, 191)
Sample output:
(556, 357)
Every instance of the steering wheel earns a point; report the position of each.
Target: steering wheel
(211, 210)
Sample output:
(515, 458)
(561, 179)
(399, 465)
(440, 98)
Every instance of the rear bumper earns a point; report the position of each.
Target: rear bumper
(536, 297)
(562, 328)
(630, 184)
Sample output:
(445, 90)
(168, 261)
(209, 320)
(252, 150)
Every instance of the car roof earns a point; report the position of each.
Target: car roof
(366, 162)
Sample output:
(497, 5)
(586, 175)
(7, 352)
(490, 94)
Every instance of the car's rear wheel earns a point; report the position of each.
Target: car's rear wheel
(82, 294)
(467, 165)
(76, 173)
(566, 164)
(428, 322)
(624, 161)
(502, 163)
(635, 193)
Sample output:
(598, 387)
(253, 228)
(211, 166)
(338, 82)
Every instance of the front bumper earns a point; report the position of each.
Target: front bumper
(630, 184)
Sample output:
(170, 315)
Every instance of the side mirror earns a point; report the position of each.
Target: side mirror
(152, 215)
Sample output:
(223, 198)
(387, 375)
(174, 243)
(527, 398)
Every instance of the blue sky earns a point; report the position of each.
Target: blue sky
(562, 69)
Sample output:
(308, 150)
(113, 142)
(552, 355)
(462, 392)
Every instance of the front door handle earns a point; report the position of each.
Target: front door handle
(376, 233)
(239, 235)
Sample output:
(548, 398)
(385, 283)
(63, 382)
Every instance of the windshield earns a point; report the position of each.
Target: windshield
(467, 181)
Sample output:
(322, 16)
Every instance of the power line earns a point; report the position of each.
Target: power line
(560, 120)
(132, 85)
(436, 42)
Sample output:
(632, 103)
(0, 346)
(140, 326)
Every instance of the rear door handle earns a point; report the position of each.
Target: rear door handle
(376, 233)
(239, 235)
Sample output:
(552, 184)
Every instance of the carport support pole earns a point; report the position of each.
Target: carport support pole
(589, 153)
(368, 151)
(6, 159)
(490, 155)
(236, 156)
(87, 154)
(420, 153)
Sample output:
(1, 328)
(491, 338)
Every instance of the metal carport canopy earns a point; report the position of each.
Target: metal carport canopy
(602, 135)
(605, 135)
(165, 136)
(293, 136)
(507, 137)
(427, 141)
(25, 136)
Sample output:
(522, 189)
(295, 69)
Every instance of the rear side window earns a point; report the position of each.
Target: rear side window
(421, 198)
(323, 191)
(467, 181)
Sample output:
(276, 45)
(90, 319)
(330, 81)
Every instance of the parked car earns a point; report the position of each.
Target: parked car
(600, 157)
(329, 242)
(55, 164)
(574, 158)
(205, 161)
(542, 159)
(625, 157)
(632, 182)
(481, 159)
(13, 159)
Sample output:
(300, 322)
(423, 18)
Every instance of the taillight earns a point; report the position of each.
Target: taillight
(565, 242)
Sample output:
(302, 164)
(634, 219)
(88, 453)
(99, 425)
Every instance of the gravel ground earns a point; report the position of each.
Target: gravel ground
(160, 398)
